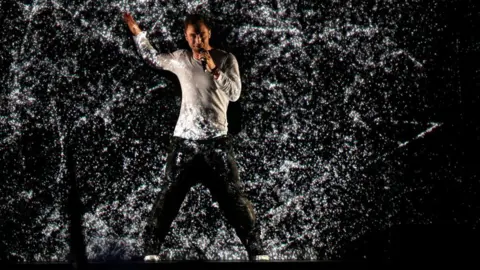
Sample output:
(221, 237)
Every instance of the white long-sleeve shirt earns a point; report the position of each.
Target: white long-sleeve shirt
(203, 112)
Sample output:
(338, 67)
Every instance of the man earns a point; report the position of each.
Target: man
(200, 146)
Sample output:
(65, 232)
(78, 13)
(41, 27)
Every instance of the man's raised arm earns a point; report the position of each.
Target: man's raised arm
(145, 49)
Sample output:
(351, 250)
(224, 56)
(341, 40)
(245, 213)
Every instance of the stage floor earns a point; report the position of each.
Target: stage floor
(228, 265)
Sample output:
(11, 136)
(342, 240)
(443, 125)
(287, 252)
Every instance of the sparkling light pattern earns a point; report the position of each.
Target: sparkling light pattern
(330, 96)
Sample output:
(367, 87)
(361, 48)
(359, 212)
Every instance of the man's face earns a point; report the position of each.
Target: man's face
(197, 36)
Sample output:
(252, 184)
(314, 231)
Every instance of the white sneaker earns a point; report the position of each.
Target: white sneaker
(152, 258)
(262, 258)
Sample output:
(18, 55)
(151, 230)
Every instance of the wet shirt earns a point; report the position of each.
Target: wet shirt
(203, 112)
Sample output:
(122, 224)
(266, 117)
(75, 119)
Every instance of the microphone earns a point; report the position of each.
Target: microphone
(204, 61)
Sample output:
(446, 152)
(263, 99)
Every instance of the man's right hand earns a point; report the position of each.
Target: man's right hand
(132, 25)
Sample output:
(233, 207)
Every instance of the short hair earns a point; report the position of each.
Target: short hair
(195, 19)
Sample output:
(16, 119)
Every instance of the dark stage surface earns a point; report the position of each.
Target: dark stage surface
(356, 133)
(209, 265)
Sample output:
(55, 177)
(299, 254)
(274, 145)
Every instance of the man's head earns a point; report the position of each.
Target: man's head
(197, 32)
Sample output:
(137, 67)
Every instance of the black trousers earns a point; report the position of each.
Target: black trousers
(211, 163)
